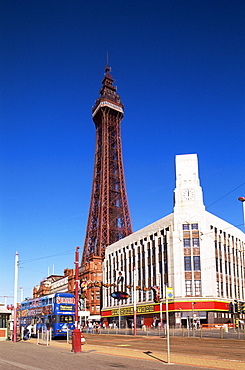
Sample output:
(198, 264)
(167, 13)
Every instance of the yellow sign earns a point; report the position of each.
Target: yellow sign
(124, 311)
(169, 293)
(65, 307)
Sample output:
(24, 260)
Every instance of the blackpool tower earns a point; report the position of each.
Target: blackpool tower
(109, 217)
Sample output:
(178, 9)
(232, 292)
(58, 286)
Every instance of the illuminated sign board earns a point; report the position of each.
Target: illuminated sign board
(65, 300)
(66, 307)
(130, 310)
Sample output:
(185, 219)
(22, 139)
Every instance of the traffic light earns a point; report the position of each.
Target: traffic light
(238, 307)
(235, 307)
(156, 293)
(242, 307)
(83, 288)
(231, 307)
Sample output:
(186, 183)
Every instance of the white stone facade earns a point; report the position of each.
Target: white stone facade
(196, 253)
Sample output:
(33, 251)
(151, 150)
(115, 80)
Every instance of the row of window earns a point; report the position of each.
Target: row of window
(189, 289)
(195, 265)
(195, 242)
(228, 291)
(227, 265)
(228, 251)
(187, 226)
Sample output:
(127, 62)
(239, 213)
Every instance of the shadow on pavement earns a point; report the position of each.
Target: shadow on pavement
(149, 353)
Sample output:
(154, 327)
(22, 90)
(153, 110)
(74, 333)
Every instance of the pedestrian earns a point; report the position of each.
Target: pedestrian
(26, 334)
(90, 326)
(29, 327)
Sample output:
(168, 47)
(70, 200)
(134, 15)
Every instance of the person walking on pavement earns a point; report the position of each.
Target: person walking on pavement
(26, 334)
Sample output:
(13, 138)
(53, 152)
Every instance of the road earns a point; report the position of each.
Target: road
(29, 356)
(110, 352)
(231, 350)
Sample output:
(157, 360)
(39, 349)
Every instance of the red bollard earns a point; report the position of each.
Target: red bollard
(76, 341)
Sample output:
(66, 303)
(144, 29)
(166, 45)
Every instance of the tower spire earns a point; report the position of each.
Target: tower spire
(109, 218)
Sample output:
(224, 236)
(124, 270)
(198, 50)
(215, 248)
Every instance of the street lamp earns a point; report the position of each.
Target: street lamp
(242, 199)
(192, 306)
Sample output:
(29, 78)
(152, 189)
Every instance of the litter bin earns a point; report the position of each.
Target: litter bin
(76, 341)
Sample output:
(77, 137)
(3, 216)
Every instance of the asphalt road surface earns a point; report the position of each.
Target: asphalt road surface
(224, 349)
(29, 356)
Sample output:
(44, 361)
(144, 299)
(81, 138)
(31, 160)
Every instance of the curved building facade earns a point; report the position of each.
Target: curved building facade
(199, 255)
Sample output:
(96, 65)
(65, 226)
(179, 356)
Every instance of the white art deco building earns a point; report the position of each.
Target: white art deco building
(199, 255)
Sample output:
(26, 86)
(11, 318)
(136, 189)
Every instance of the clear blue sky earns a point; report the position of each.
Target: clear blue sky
(179, 69)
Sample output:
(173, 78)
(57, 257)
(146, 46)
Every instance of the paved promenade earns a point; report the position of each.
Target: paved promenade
(226, 355)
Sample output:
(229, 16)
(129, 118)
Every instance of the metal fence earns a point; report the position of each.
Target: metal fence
(219, 333)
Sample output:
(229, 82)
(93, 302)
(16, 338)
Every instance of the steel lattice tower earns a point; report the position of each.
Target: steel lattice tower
(109, 217)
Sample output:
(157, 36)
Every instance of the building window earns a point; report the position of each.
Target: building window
(187, 243)
(187, 261)
(217, 285)
(154, 270)
(195, 242)
(222, 288)
(197, 287)
(194, 226)
(196, 263)
(149, 271)
(227, 290)
(150, 295)
(186, 227)
(160, 267)
(188, 287)
(97, 308)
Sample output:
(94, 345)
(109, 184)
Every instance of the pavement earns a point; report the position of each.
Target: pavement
(122, 350)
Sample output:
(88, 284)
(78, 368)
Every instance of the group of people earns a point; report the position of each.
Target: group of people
(92, 326)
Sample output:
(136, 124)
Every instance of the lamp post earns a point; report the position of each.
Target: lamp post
(15, 294)
(76, 335)
(160, 285)
(192, 306)
(135, 320)
(242, 199)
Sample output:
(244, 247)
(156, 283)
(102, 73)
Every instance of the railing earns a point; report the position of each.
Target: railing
(216, 331)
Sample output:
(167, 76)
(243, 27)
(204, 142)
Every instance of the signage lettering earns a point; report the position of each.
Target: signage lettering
(65, 308)
(124, 311)
(65, 300)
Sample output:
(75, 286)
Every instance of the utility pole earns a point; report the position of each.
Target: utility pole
(15, 294)
(76, 286)
(135, 321)
(161, 298)
(76, 335)
(169, 295)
